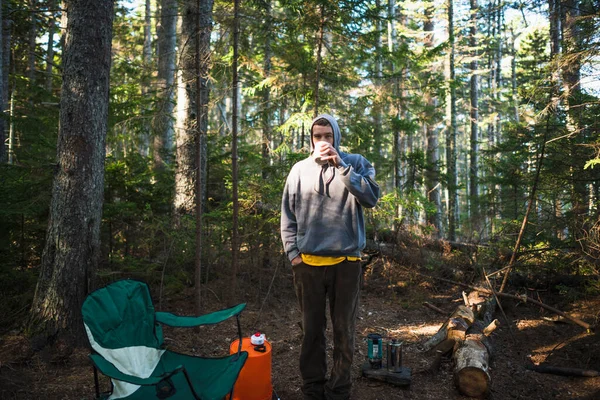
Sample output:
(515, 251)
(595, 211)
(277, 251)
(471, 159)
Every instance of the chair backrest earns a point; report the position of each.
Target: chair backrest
(122, 315)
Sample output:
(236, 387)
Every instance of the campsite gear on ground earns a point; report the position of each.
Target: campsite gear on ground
(394, 372)
(254, 382)
(394, 355)
(374, 341)
(126, 337)
(257, 339)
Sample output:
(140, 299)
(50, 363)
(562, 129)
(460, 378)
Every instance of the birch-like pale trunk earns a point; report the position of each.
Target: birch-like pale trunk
(432, 173)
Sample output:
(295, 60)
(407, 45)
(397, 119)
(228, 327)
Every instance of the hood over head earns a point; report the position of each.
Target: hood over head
(337, 134)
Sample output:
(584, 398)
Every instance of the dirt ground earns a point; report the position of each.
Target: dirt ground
(392, 307)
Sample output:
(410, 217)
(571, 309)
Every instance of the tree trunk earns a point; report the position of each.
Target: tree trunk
(234, 154)
(146, 134)
(3, 73)
(474, 117)
(202, 46)
(432, 173)
(32, 44)
(378, 86)
(50, 47)
(186, 138)
(571, 74)
(266, 95)
(472, 355)
(555, 29)
(471, 371)
(72, 248)
(319, 59)
(163, 119)
(451, 134)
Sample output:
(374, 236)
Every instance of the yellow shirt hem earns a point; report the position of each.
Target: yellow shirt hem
(319, 261)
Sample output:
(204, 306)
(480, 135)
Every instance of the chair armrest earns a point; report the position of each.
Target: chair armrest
(108, 369)
(207, 319)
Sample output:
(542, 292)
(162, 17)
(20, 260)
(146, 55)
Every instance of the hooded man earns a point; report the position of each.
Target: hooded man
(323, 233)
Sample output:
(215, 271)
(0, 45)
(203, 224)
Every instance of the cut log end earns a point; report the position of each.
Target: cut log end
(473, 382)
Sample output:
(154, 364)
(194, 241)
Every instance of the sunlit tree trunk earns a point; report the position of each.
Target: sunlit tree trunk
(432, 173)
(163, 119)
(147, 51)
(185, 174)
(474, 118)
(72, 248)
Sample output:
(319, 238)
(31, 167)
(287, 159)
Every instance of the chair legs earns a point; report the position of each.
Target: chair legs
(187, 378)
(96, 384)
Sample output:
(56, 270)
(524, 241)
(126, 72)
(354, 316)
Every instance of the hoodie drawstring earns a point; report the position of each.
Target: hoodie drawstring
(322, 184)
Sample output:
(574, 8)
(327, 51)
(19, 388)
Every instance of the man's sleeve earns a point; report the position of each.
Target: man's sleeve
(289, 227)
(360, 181)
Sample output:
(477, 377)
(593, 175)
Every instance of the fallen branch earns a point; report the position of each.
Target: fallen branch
(434, 308)
(548, 369)
(524, 299)
(454, 328)
(487, 331)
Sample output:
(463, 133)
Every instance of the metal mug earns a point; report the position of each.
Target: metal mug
(394, 356)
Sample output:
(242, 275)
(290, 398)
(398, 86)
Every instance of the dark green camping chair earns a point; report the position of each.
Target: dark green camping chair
(126, 337)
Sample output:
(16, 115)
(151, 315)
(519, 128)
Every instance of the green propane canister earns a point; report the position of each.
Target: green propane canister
(374, 341)
(394, 356)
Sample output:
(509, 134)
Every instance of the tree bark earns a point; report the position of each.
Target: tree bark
(474, 117)
(72, 248)
(31, 75)
(432, 173)
(234, 154)
(50, 47)
(3, 73)
(471, 372)
(451, 134)
(454, 328)
(266, 95)
(319, 59)
(204, 29)
(163, 119)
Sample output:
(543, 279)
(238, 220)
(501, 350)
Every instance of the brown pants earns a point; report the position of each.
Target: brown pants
(340, 284)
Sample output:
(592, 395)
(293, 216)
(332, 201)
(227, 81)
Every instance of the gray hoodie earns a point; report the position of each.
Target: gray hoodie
(321, 208)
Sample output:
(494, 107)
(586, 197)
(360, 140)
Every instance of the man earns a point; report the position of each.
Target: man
(323, 233)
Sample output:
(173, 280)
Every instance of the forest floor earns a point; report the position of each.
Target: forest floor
(392, 305)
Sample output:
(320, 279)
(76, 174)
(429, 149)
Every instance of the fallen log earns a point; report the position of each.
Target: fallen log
(471, 362)
(454, 328)
(472, 355)
(523, 298)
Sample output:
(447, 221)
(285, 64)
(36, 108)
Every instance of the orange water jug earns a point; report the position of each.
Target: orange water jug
(254, 382)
